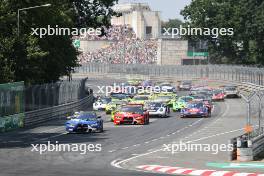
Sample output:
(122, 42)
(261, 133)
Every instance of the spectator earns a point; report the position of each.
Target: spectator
(126, 48)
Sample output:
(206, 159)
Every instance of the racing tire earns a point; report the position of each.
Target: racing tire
(102, 129)
(147, 122)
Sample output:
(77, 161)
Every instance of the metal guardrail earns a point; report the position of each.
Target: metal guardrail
(38, 116)
(258, 145)
(236, 74)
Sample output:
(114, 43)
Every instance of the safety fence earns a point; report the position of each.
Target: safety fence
(20, 105)
(54, 94)
(11, 106)
(56, 112)
(217, 72)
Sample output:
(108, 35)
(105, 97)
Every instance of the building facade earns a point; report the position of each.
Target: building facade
(145, 22)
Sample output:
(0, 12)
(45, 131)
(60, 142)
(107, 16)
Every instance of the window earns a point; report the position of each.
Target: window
(149, 30)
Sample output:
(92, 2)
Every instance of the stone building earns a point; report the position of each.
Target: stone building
(145, 22)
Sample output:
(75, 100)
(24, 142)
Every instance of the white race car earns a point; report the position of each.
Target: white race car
(157, 109)
(101, 103)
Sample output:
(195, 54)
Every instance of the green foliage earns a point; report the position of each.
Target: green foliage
(246, 17)
(172, 23)
(33, 59)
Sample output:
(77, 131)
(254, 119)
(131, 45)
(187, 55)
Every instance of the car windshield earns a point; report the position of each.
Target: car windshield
(163, 85)
(141, 98)
(88, 117)
(145, 93)
(199, 97)
(186, 83)
(105, 100)
(195, 105)
(153, 104)
(119, 96)
(230, 88)
(164, 97)
(217, 91)
(186, 99)
(133, 109)
(118, 102)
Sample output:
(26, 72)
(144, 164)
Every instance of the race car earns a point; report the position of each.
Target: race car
(120, 96)
(134, 82)
(181, 103)
(146, 83)
(166, 98)
(85, 122)
(231, 91)
(101, 103)
(131, 114)
(157, 109)
(209, 105)
(167, 87)
(200, 90)
(199, 97)
(145, 93)
(112, 105)
(195, 109)
(218, 95)
(185, 85)
(139, 99)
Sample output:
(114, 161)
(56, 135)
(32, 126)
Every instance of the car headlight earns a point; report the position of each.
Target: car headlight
(161, 109)
(94, 125)
(139, 117)
(71, 125)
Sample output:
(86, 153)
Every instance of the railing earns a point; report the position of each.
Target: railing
(235, 74)
(61, 111)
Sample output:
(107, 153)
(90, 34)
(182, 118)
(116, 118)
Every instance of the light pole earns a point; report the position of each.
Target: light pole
(27, 8)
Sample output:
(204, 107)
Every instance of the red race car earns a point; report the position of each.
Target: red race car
(218, 95)
(131, 114)
(209, 105)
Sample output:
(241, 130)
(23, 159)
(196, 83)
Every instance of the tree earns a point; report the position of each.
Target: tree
(245, 17)
(172, 23)
(33, 59)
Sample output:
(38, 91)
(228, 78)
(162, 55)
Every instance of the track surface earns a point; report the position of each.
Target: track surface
(118, 142)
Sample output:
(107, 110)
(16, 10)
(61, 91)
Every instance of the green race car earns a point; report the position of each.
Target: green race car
(113, 105)
(181, 103)
(166, 98)
(139, 99)
(134, 82)
(119, 96)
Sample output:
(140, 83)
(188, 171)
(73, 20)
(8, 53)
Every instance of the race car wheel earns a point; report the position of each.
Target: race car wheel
(146, 121)
(102, 129)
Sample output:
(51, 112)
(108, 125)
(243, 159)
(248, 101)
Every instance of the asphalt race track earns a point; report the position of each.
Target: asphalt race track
(117, 142)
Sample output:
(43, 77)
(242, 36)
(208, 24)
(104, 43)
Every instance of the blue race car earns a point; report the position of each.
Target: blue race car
(85, 122)
(195, 109)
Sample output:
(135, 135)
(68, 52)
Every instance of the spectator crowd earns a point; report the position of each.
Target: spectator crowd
(125, 48)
